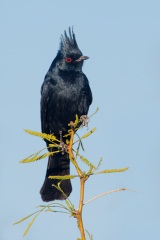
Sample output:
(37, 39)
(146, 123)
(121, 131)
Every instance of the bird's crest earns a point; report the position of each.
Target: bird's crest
(69, 43)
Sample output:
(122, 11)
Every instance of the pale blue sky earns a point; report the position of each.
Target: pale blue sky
(122, 39)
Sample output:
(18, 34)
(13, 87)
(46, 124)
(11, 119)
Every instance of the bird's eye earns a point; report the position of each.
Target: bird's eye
(68, 59)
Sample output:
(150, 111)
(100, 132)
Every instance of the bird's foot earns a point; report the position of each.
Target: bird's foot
(84, 119)
(62, 146)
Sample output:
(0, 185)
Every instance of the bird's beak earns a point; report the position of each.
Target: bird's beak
(82, 58)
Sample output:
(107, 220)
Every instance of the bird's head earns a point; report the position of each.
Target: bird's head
(69, 57)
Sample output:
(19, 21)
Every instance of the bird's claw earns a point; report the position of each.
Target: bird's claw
(62, 146)
(84, 119)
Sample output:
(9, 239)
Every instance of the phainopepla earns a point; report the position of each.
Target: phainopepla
(65, 92)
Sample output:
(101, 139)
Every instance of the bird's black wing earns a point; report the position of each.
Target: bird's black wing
(47, 93)
(86, 96)
(89, 93)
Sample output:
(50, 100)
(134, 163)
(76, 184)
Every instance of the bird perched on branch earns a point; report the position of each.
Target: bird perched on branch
(65, 92)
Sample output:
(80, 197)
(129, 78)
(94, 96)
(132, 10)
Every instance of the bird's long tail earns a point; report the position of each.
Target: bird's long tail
(58, 165)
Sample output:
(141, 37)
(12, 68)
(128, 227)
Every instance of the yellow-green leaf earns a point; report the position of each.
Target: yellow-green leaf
(99, 164)
(63, 177)
(49, 137)
(97, 109)
(30, 224)
(89, 235)
(86, 161)
(88, 133)
(35, 157)
(23, 219)
(53, 145)
(77, 120)
(113, 170)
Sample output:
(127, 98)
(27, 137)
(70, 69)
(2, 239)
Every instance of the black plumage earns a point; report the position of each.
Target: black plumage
(65, 92)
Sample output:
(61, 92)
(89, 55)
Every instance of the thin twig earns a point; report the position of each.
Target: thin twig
(105, 193)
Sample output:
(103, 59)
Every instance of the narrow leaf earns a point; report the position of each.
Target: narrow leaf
(35, 154)
(35, 157)
(86, 161)
(90, 172)
(77, 120)
(23, 219)
(88, 133)
(82, 145)
(99, 164)
(78, 147)
(63, 177)
(49, 137)
(32, 221)
(53, 145)
(79, 144)
(30, 224)
(49, 209)
(69, 205)
(89, 235)
(97, 109)
(113, 170)
(105, 193)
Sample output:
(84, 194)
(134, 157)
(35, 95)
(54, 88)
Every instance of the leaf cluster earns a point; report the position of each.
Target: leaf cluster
(73, 149)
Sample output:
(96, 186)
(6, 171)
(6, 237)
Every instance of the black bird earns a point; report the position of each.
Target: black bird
(65, 92)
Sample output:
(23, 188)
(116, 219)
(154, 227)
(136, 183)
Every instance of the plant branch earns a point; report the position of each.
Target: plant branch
(81, 174)
(80, 208)
(71, 155)
(83, 177)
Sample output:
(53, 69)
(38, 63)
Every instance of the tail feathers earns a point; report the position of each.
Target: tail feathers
(58, 165)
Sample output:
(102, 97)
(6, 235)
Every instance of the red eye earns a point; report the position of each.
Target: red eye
(68, 59)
